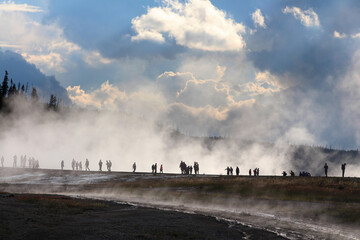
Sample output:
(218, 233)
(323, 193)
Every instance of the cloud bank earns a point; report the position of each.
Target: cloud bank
(195, 24)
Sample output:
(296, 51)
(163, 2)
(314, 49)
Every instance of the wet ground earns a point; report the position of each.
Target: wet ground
(24, 216)
(147, 211)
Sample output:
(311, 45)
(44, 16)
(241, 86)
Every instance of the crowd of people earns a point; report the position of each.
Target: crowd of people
(77, 165)
(188, 169)
(31, 162)
(307, 174)
(24, 162)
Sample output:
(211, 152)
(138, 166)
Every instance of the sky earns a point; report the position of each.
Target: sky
(271, 71)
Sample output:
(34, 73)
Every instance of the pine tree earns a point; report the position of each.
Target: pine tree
(22, 90)
(53, 102)
(34, 95)
(4, 86)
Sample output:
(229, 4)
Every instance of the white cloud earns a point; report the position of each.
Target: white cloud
(109, 97)
(10, 6)
(42, 44)
(195, 24)
(258, 18)
(339, 35)
(308, 18)
(357, 35)
(94, 58)
(265, 83)
(185, 88)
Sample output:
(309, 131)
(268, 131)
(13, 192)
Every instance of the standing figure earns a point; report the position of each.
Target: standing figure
(110, 164)
(161, 169)
(100, 165)
(231, 171)
(190, 169)
(196, 167)
(73, 164)
(87, 165)
(155, 167)
(134, 166)
(62, 165)
(326, 169)
(37, 164)
(183, 167)
(343, 169)
(15, 161)
(250, 172)
(80, 165)
(237, 171)
(227, 170)
(2, 161)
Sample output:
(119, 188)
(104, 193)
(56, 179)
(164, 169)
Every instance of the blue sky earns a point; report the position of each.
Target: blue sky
(281, 71)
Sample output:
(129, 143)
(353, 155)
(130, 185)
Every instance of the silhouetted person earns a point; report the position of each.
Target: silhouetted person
(196, 168)
(62, 165)
(134, 166)
(30, 162)
(183, 167)
(227, 170)
(73, 164)
(190, 169)
(80, 166)
(87, 165)
(237, 171)
(231, 171)
(326, 169)
(15, 161)
(110, 165)
(2, 161)
(292, 173)
(343, 169)
(250, 172)
(100, 165)
(161, 169)
(284, 173)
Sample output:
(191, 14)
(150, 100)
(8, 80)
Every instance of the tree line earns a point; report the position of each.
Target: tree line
(9, 90)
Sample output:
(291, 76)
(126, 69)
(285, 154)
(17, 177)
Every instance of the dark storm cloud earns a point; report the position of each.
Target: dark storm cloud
(22, 71)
